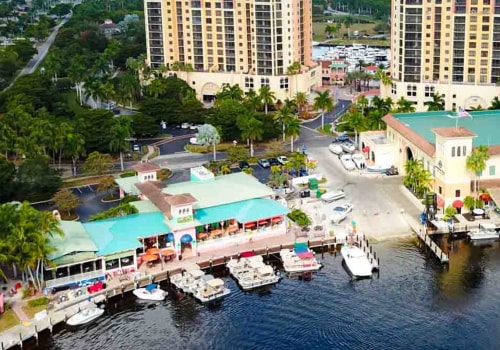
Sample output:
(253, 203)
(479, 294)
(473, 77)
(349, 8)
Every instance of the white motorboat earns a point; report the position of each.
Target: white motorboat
(84, 316)
(150, 292)
(348, 147)
(335, 148)
(484, 231)
(332, 196)
(382, 169)
(347, 162)
(356, 261)
(359, 160)
(211, 290)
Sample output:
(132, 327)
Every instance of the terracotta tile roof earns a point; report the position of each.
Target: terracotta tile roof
(154, 194)
(146, 167)
(325, 64)
(412, 136)
(181, 199)
(494, 150)
(454, 132)
(371, 68)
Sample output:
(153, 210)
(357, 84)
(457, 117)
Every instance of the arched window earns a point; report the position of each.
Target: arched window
(453, 151)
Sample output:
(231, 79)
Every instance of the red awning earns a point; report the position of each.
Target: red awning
(457, 204)
(250, 224)
(263, 222)
(247, 254)
(307, 255)
(366, 149)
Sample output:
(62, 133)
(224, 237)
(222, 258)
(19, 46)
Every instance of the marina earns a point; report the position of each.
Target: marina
(352, 54)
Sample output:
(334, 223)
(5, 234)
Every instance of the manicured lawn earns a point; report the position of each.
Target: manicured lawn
(8, 320)
(31, 311)
(221, 147)
(83, 182)
(363, 28)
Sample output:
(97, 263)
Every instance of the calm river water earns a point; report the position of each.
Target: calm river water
(413, 304)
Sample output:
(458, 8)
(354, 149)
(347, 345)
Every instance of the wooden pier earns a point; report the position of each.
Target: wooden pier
(60, 312)
(425, 237)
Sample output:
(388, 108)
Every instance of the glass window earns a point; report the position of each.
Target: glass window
(457, 193)
(112, 264)
(458, 151)
(464, 150)
(127, 261)
(453, 151)
(492, 170)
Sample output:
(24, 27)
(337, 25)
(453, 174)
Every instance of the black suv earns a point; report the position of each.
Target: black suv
(273, 161)
(392, 171)
(243, 164)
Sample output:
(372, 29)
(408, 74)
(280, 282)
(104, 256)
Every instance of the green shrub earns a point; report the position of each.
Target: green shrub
(299, 217)
(128, 173)
(450, 212)
(128, 199)
(38, 302)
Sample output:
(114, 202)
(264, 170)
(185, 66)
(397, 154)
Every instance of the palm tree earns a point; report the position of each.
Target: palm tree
(76, 73)
(282, 117)
(225, 169)
(156, 88)
(74, 147)
(495, 103)
(417, 178)
(293, 70)
(476, 162)
(324, 103)
(267, 96)
(292, 129)
(120, 133)
(360, 64)
(348, 21)
(404, 106)
(436, 104)
(380, 75)
(111, 51)
(301, 101)
(251, 129)
(363, 103)
(357, 122)
(53, 64)
(93, 90)
(477, 108)
(129, 88)
(253, 100)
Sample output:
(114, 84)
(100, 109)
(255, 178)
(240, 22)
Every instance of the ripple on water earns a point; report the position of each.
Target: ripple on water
(413, 304)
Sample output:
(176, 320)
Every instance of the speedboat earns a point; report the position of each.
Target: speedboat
(84, 316)
(335, 148)
(356, 261)
(348, 147)
(347, 162)
(150, 292)
(211, 290)
(359, 160)
(484, 231)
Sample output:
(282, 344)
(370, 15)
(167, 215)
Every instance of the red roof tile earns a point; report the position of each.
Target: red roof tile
(325, 64)
(412, 136)
(450, 132)
(146, 167)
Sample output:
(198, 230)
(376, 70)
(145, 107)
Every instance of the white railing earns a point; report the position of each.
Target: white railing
(237, 237)
(73, 279)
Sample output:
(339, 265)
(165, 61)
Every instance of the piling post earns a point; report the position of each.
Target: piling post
(378, 262)
(168, 277)
(371, 250)
(375, 255)
(308, 243)
(3, 346)
(335, 240)
(20, 340)
(267, 252)
(211, 265)
(441, 256)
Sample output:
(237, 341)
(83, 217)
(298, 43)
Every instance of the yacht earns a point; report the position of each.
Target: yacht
(150, 292)
(84, 316)
(336, 149)
(213, 289)
(484, 231)
(356, 261)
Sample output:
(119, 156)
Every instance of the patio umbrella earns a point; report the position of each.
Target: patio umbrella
(263, 222)
(153, 251)
(149, 257)
(232, 228)
(277, 219)
(457, 204)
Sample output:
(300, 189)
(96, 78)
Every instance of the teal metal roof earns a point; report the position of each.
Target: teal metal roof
(122, 233)
(244, 211)
(483, 123)
(128, 184)
(221, 190)
(76, 241)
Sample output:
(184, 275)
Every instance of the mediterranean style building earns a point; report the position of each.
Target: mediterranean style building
(250, 43)
(446, 47)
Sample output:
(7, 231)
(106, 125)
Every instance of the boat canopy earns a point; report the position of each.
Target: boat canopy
(217, 282)
(254, 259)
(257, 264)
(306, 255)
(300, 248)
(207, 278)
(265, 270)
(247, 254)
(151, 287)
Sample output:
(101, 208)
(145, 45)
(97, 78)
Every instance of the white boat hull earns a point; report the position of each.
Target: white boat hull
(213, 297)
(85, 316)
(357, 262)
(302, 269)
(253, 284)
(155, 295)
(475, 236)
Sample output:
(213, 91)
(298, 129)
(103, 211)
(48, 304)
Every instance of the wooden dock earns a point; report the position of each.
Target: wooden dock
(60, 312)
(427, 240)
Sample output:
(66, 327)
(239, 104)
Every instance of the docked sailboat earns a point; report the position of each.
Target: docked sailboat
(356, 261)
(85, 316)
(299, 259)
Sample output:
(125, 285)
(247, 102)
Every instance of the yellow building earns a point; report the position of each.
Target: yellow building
(446, 47)
(247, 42)
(442, 142)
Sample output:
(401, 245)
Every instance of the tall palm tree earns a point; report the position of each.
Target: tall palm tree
(76, 73)
(380, 75)
(120, 133)
(92, 86)
(324, 103)
(301, 101)
(404, 106)
(251, 129)
(292, 71)
(111, 51)
(53, 64)
(348, 21)
(128, 88)
(74, 147)
(156, 88)
(292, 129)
(267, 96)
(363, 103)
(476, 162)
(253, 100)
(436, 104)
(282, 117)
(357, 122)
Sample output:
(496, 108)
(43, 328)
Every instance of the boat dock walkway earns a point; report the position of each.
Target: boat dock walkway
(422, 234)
(117, 286)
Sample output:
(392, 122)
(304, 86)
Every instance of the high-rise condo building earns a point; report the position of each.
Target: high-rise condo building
(246, 42)
(449, 47)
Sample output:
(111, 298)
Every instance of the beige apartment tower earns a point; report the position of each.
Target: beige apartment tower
(450, 47)
(246, 42)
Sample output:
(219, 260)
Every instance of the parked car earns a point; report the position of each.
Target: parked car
(185, 126)
(340, 213)
(243, 164)
(193, 127)
(136, 148)
(282, 160)
(341, 138)
(392, 171)
(263, 162)
(273, 162)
